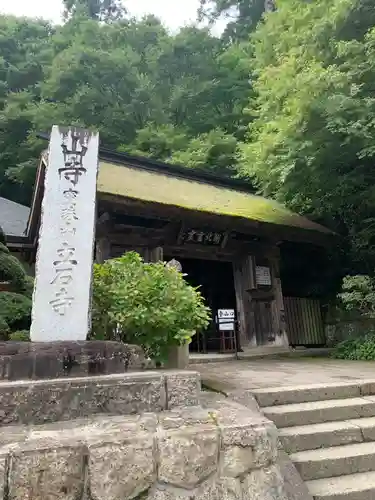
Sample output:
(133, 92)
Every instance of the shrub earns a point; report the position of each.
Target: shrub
(359, 348)
(146, 304)
(15, 311)
(20, 335)
(15, 304)
(358, 295)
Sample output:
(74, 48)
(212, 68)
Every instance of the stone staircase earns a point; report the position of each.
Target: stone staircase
(329, 433)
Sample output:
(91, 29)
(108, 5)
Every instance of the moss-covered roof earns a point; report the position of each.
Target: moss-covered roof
(167, 189)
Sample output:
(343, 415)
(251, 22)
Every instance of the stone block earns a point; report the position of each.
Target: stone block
(121, 467)
(46, 366)
(225, 488)
(245, 444)
(182, 388)
(49, 470)
(246, 447)
(45, 401)
(21, 366)
(4, 367)
(126, 394)
(41, 360)
(4, 462)
(264, 484)
(295, 487)
(185, 417)
(12, 435)
(188, 456)
(214, 489)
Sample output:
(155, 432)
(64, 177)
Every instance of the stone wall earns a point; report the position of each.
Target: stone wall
(42, 401)
(219, 453)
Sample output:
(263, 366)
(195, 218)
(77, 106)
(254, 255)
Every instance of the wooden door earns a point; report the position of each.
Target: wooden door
(244, 281)
(263, 321)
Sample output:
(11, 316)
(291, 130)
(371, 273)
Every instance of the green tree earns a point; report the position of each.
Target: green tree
(25, 53)
(147, 91)
(311, 144)
(215, 151)
(100, 10)
(15, 302)
(242, 16)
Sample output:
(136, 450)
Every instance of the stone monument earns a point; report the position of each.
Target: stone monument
(62, 293)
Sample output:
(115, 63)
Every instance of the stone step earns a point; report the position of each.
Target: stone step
(335, 461)
(314, 436)
(353, 487)
(320, 411)
(317, 392)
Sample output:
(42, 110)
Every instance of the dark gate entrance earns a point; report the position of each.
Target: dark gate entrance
(216, 284)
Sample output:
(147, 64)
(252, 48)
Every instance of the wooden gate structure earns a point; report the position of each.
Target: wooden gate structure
(304, 321)
(168, 211)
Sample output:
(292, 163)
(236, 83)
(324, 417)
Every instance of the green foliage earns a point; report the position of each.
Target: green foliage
(215, 151)
(158, 141)
(311, 144)
(146, 304)
(358, 295)
(243, 15)
(11, 270)
(20, 336)
(360, 348)
(15, 304)
(15, 312)
(25, 53)
(100, 10)
(147, 91)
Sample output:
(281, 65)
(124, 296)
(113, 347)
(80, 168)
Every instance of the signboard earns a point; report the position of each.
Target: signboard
(202, 237)
(263, 275)
(225, 314)
(226, 319)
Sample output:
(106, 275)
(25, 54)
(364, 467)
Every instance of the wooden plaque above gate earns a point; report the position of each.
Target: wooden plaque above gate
(202, 237)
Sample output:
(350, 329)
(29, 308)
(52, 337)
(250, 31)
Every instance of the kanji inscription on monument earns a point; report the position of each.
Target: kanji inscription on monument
(62, 291)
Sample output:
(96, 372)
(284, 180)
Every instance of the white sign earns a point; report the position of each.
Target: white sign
(226, 319)
(263, 275)
(226, 327)
(225, 314)
(62, 291)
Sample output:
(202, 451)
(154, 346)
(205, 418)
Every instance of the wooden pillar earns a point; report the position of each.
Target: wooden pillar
(281, 337)
(102, 249)
(244, 282)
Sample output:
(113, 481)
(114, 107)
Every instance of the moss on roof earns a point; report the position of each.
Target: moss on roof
(157, 187)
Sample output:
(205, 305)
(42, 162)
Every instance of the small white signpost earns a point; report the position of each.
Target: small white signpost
(62, 291)
(226, 319)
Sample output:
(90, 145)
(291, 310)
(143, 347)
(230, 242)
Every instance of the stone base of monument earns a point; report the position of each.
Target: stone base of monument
(218, 452)
(40, 360)
(150, 435)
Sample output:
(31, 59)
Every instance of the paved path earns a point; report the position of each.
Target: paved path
(251, 374)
